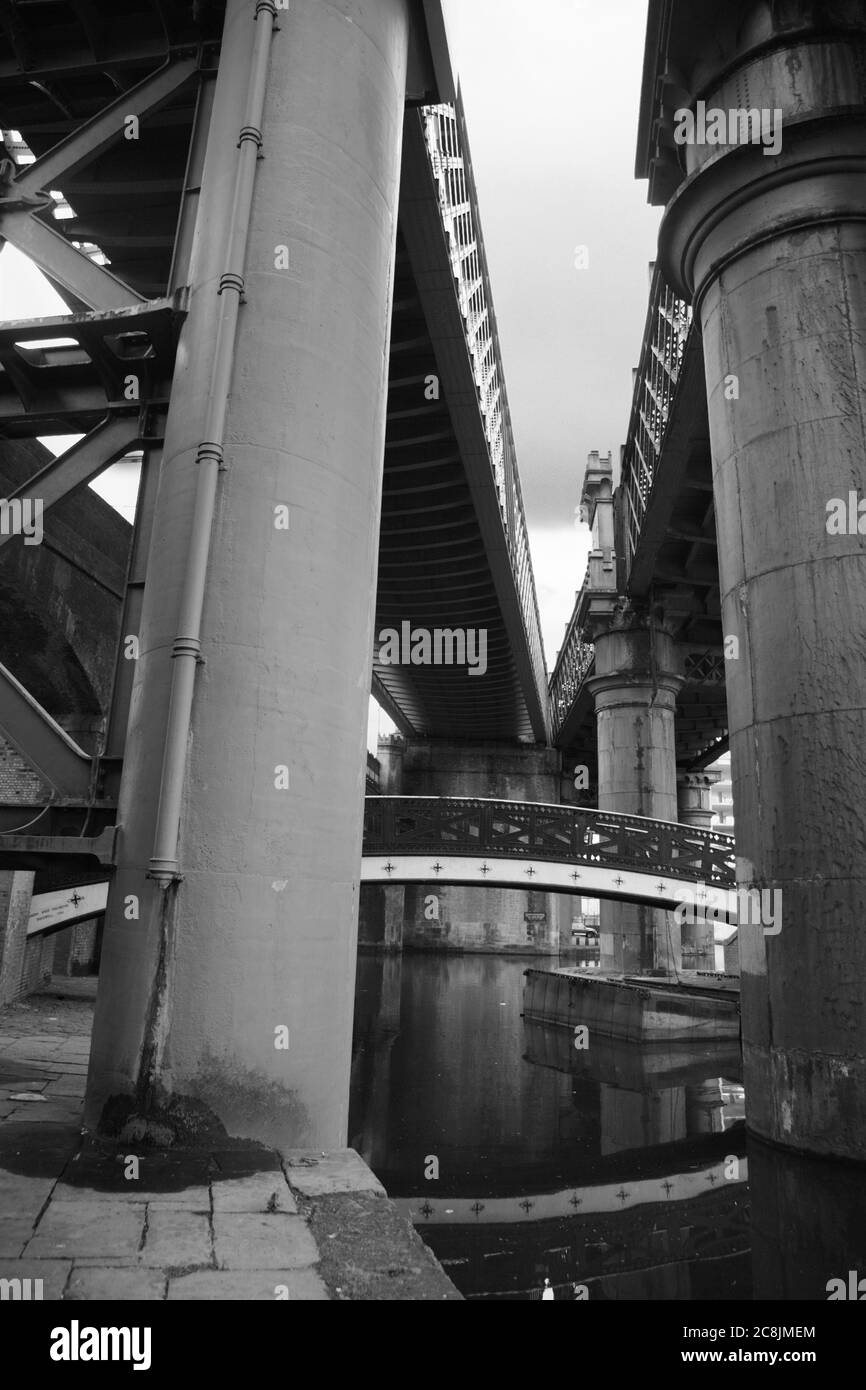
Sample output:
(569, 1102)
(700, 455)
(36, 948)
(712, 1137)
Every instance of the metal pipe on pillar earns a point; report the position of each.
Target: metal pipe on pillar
(186, 650)
(234, 908)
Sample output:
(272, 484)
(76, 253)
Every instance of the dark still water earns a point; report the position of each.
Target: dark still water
(619, 1168)
(624, 1169)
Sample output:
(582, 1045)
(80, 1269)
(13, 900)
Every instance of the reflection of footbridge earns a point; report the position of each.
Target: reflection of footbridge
(519, 844)
(664, 1236)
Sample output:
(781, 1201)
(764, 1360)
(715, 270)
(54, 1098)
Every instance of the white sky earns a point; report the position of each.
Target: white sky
(551, 91)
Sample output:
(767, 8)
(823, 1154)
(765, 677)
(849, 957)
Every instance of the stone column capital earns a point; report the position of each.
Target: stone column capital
(622, 688)
(803, 165)
(704, 780)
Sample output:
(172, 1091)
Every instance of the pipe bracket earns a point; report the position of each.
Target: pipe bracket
(210, 453)
(232, 281)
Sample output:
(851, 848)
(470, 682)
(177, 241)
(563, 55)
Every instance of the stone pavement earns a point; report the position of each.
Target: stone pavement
(94, 1222)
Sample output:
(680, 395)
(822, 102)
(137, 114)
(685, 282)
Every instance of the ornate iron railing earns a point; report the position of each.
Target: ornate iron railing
(668, 325)
(573, 665)
(523, 829)
(448, 151)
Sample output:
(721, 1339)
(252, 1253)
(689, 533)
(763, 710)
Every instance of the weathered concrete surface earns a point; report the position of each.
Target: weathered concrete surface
(370, 1252)
(774, 250)
(16, 888)
(695, 807)
(261, 933)
(240, 1223)
(808, 1222)
(637, 676)
(320, 1175)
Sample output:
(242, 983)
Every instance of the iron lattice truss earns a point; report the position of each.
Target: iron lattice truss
(448, 150)
(524, 830)
(574, 664)
(666, 335)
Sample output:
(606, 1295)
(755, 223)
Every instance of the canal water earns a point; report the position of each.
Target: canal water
(520, 1158)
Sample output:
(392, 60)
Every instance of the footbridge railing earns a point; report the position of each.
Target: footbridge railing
(530, 832)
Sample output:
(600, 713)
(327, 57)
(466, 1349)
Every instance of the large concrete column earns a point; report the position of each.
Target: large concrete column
(773, 249)
(635, 689)
(258, 936)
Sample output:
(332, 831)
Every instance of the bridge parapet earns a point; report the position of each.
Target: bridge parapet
(666, 336)
(573, 664)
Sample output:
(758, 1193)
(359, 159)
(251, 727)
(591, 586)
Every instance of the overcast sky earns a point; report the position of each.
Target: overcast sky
(551, 91)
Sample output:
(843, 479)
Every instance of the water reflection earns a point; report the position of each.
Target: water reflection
(619, 1169)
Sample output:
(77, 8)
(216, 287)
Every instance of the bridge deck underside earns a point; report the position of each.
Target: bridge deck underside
(443, 562)
(434, 567)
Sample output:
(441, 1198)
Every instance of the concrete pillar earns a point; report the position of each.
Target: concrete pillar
(635, 688)
(694, 798)
(694, 807)
(773, 250)
(807, 1226)
(457, 918)
(389, 752)
(16, 890)
(259, 935)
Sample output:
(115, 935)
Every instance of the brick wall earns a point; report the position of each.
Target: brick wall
(19, 783)
(76, 949)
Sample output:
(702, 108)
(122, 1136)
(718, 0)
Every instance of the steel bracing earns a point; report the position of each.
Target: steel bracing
(104, 115)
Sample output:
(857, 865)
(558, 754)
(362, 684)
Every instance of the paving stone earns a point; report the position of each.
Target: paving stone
(22, 1196)
(176, 1238)
(100, 1229)
(317, 1175)
(124, 1194)
(247, 1241)
(86, 1201)
(53, 1273)
(15, 1231)
(106, 1283)
(192, 1199)
(304, 1285)
(72, 1086)
(261, 1192)
(45, 1114)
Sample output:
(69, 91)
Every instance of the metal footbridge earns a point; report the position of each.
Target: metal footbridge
(520, 844)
